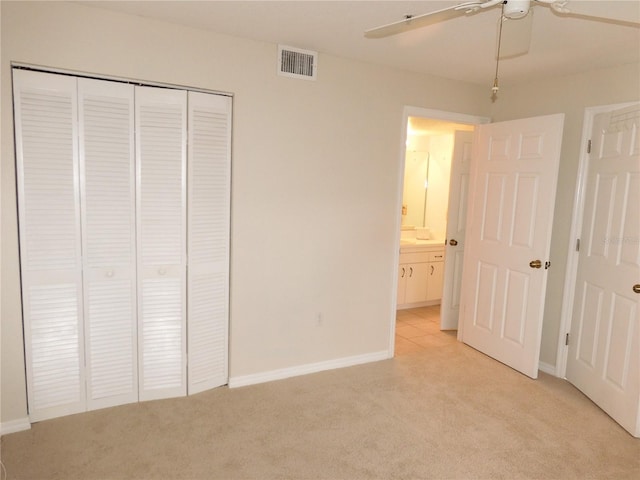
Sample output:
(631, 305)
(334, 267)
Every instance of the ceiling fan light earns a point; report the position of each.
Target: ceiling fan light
(516, 8)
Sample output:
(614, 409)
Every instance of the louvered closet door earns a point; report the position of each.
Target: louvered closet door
(208, 232)
(107, 173)
(161, 118)
(45, 109)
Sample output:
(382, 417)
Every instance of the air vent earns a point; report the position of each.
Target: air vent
(297, 63)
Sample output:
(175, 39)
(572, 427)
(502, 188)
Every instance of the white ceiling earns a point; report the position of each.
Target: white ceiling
(461, 48)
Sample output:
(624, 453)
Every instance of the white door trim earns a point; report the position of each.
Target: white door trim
(411, 111)
(576, 227)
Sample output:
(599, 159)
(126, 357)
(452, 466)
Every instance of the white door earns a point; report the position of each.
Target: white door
(45, 108)
(456, 224)
(107, 200)
(161, 129)
(511, 204)
(603, 359)
(209, 202)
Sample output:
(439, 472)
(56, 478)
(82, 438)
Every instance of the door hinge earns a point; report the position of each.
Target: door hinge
(566, 339)
(547, 265)
(589, 146)
(577, 244)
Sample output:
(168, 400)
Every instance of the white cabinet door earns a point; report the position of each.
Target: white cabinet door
(45, 108)
(209, 196)
(107, 179)
(417, 275)
(435, 280)
(161, 119)
(402, 284)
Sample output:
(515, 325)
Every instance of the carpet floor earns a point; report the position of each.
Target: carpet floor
(447, 412)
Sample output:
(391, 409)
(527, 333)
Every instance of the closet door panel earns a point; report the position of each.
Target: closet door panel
(45, 109)
(107, 173)
(209, 178)
(161, 118)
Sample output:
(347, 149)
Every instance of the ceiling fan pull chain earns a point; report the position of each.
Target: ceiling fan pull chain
(495, 88)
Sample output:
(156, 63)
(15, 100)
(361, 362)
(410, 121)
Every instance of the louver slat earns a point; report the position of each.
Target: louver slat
(209, 207)
(161, 204)
(108, 204)
(45, 108)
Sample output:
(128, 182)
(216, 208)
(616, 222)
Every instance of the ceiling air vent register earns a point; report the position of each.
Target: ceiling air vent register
(297, 63)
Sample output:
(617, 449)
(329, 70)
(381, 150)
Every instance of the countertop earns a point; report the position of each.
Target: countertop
(412, 244)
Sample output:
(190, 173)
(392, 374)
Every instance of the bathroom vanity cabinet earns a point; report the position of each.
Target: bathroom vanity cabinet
(420, 274)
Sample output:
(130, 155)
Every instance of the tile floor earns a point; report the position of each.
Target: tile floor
(419, 328)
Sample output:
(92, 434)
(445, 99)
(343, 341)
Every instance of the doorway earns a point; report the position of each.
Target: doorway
(425, 174)
(418, 329)
(427, 171)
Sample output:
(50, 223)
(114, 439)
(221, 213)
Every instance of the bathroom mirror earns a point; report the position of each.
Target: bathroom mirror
(415, 196)
(426, 173)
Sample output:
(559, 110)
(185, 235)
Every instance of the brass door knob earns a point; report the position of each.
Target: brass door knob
(636, 288)
(535, 264)
(453, 242)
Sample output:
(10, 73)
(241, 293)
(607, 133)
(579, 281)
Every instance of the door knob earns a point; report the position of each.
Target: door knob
(535, 264)
(453, 242)
(636, 288)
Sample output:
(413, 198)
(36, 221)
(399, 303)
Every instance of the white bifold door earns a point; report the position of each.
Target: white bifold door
(112, 203)
(161, 130)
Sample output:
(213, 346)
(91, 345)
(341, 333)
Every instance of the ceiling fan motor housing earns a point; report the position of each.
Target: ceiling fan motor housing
(516, 8)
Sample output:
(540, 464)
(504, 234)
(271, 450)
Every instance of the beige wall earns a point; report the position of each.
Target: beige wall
(571, 96)
(315, 178)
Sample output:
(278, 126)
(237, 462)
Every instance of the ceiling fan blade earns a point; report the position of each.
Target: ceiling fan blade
(423, 20)
(516, 36)
(625, 14)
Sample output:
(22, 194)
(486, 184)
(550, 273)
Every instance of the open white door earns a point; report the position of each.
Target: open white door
(511, 204)
(456, 225)
(603, 359)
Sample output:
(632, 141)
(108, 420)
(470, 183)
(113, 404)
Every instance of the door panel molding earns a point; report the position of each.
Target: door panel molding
(513, 160)
(576, 227)
(602, 360)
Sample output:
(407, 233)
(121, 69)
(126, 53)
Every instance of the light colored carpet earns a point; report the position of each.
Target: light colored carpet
(447, 412)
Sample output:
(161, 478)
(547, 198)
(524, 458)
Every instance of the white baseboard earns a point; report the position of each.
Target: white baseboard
(547, 368)
(13, 426)
(280, 374)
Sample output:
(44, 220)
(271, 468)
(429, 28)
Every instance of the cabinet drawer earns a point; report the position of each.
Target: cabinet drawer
(415, 257)
(436, 256)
